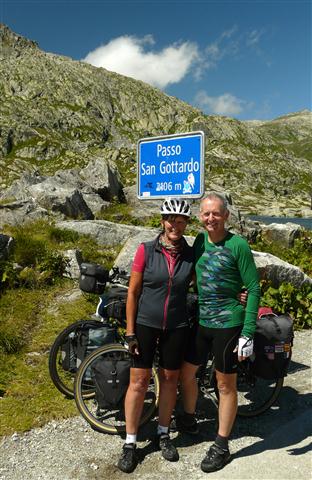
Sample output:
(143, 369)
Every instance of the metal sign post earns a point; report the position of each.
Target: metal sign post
(171, 166)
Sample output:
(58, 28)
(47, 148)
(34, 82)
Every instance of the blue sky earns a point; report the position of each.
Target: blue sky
(245, 59)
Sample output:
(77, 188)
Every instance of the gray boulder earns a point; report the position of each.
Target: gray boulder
(125, 258)
(19, 190)
(63, 199)
(103, 177)
(277, 271)
(104, 232)
(282, 233)
(94, 202)
(18, 212)
(74, 260)
(141, 208)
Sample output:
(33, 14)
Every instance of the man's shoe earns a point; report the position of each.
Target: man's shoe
(128, 460)
(185, 424)
(168, 450)
(215, 459)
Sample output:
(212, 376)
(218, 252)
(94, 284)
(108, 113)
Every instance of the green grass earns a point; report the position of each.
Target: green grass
(34, 310)
(42, 240)
(29, 326)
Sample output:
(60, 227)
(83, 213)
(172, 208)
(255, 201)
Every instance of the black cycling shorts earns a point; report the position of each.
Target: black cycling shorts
(219, 341)
(171, 347)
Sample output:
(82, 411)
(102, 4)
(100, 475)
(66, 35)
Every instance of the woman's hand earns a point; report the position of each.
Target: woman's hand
(132, 344)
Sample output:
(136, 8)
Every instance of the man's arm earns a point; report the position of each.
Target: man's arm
(250, 278)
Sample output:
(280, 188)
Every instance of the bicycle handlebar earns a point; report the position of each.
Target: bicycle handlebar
(118, 275)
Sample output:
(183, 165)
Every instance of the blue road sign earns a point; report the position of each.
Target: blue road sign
(171, 166)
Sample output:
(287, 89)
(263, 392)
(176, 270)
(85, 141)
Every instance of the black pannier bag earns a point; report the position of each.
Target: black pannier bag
(84, 340)
(111, 379)
(114, 304)
(273, 346)
(93, 278)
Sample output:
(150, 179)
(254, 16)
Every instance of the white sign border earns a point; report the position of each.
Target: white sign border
(202, 166)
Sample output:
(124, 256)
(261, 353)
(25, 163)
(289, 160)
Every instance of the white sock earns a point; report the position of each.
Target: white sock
(131, 438)
(161, 430)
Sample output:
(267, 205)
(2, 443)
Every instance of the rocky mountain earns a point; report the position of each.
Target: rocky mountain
(59, 114)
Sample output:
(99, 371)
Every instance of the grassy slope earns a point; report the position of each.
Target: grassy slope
(31, 318)
(31, 399)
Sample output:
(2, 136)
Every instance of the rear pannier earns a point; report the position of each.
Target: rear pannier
(273, 345)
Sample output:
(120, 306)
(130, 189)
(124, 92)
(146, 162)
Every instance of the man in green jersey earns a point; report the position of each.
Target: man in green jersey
(223, 264)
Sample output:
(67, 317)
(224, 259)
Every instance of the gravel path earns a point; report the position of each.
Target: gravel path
(272, 446)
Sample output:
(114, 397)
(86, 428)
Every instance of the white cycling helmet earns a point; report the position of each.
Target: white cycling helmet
(175, 206)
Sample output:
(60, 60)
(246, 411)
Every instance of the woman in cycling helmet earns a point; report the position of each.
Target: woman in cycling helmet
(157, 318)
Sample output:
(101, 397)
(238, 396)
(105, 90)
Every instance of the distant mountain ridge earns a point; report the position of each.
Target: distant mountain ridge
(57, 113)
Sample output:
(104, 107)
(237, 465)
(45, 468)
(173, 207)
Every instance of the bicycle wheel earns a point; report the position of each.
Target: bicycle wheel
(63, 378)
(110, 419)
(255, 394)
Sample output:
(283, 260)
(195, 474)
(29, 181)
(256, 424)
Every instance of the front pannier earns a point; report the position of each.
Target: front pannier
(87, 337)
(93, 278)
(111, 379)
(273, 344)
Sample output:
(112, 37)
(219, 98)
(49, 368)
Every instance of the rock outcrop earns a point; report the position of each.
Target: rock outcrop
(68, 193)
(59, 114)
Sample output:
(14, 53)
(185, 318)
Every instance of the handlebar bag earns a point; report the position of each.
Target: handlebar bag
(93, 278)
(273, 346)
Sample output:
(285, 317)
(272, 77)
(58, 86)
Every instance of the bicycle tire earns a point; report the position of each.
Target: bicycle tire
(256, 395)
(111, 421)
(62, 379)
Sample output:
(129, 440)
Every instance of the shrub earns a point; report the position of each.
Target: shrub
(33, 261)
(153, 221)
(8, 275)
(28, 251)
(300, 254)
(288, 299)
(53, 264)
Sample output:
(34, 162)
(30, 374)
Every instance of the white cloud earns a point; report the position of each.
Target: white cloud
(226, 104)
(138, 58)
(128, 56)
(225, 45)
(253, 37)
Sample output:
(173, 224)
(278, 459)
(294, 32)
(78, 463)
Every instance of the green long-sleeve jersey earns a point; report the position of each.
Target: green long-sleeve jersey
(222, 269)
